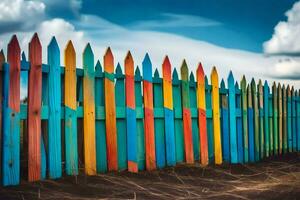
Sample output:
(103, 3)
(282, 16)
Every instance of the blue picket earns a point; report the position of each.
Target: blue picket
(239, 126)
(266, 118)
(232, 119)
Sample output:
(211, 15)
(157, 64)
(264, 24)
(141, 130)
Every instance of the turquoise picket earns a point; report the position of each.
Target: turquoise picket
(239, 126)
(179, 145)
(289, 119)
(271, 125)
(121, 122)
(193, 106)
(139, 122)
(101, 156)
(232, 119)
(209, 123)
(224, 123)
(298, 119)
(159, 127)
(294, 128)
(261, 119)
(54, 120)
(266, 118)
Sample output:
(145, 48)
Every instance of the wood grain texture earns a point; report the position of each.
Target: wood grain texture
(132, 143)
(148, 114)
(216, 116)
(245, 118)
(169, 113)
(34, 109)
(54, 119)
(275, 118)
(186, 115)
(250, 117)
(232, 119)
(201, 104)
(89, 111)
(256, 119)
(11, 115)
(280, 121)
(110, 112)
(70, 110)
(266, 92)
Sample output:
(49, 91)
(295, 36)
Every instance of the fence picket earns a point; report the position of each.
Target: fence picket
(294, 135)
(2, 61)
(256, 119)
(251, 127)
(298, 119)
(275, 117)
(266, 118)
(261, 119)
(239, 125)
(284, 120)
(209, 120)
(280, 121)
(232, 119)
(244, 119)
(289, 119)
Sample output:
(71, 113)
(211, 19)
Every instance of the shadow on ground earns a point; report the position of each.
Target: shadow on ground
(273, 178)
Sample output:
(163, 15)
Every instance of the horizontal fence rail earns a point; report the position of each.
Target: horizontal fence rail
(102, 119)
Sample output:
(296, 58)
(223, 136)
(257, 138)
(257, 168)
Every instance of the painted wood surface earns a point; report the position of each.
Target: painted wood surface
(34, 109)
(89, 111)
(186, 115)
(266, 92)
(54, 121)
(149, 115)
(256, 119)
(232, 119)
(294, 125)
(289, 119)
(110, 112)
(2, 61)
(216, 116)
(261, 119)
(168, 113)
(251, 127)
(210, 136)
(70, 110)
(275, 118)
(159, 128)
(121, 122)
(298, 119)
(225, 124)
(271, 127)
(244, 119)
(11, 115)
(179, 141)
(284, 120)
(132, 142)
(280, 121)
(239, 125)
(201, 104)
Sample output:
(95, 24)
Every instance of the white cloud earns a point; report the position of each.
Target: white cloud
(20, 14)
(286, 34)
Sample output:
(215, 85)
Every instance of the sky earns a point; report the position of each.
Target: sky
(257, 38)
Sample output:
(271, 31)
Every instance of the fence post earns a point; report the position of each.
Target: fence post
(266, 118)
(256, 119)
(244, 119)
(54, 120)
(89, 111)
(216, 115)
(250, 117)
(289, 120)
(239, 129)
(261, 119)
(280, 121)
(121, 123)
(271, 122)
(11, 115)
(179, 141)
(148, 112)
(34, 109)
(201, 104)
(284, 120)
(132, 145)
(298, 119)
(168, 113)
(294, 128)
(2, 61)
(225, 123)
(70, 110)
(275, 117)
(186, 114)
(232, 119)
(110, 111)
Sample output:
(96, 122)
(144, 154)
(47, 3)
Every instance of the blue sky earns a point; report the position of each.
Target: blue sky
(258, 38)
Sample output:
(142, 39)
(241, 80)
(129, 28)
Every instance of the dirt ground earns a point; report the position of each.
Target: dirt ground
(273, 178)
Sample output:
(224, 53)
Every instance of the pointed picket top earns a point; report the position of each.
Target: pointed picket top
(147, 68)
(266, 84)
(108, 61)
(166, 69)
(279, 87)
(70, 50)
(192, 77)
(249, 96)
(98, 67)
(200, 73)
(230, 79)
(288, 89)
(137, 72)
(206, 80)
(259, 83)
(118, 69)
(88, 50)
(23, 56)
(2, 57)
(253, 85)
(222, 84)
(274, 84)
(88, 58)
(53, 44)
(184, 71)
(129, 64)
(14, 43)
(243, 82)
(156, 73)
(175, 75)
(237, 85)
(35, 41)
(214, 77)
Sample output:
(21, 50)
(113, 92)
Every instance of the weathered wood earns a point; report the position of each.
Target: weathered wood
(244, 119)
(70, 110)
(11, 115)
(232, 119)
(186, 114)
(149, 116)
(284, 120)
(132, 143)
(216, 116)
(34, 109)
(256, 119)
(54, 121)
(201, 104)
(89, 111)
(280, 121)
(289, 119)
(169, 113)
(110, 112)
(239, 129)
(266, 118)
(250, 117)
(275, 118)
(261, 119)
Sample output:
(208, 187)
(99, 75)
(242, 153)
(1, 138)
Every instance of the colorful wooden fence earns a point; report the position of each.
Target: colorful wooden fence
(108, 121)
